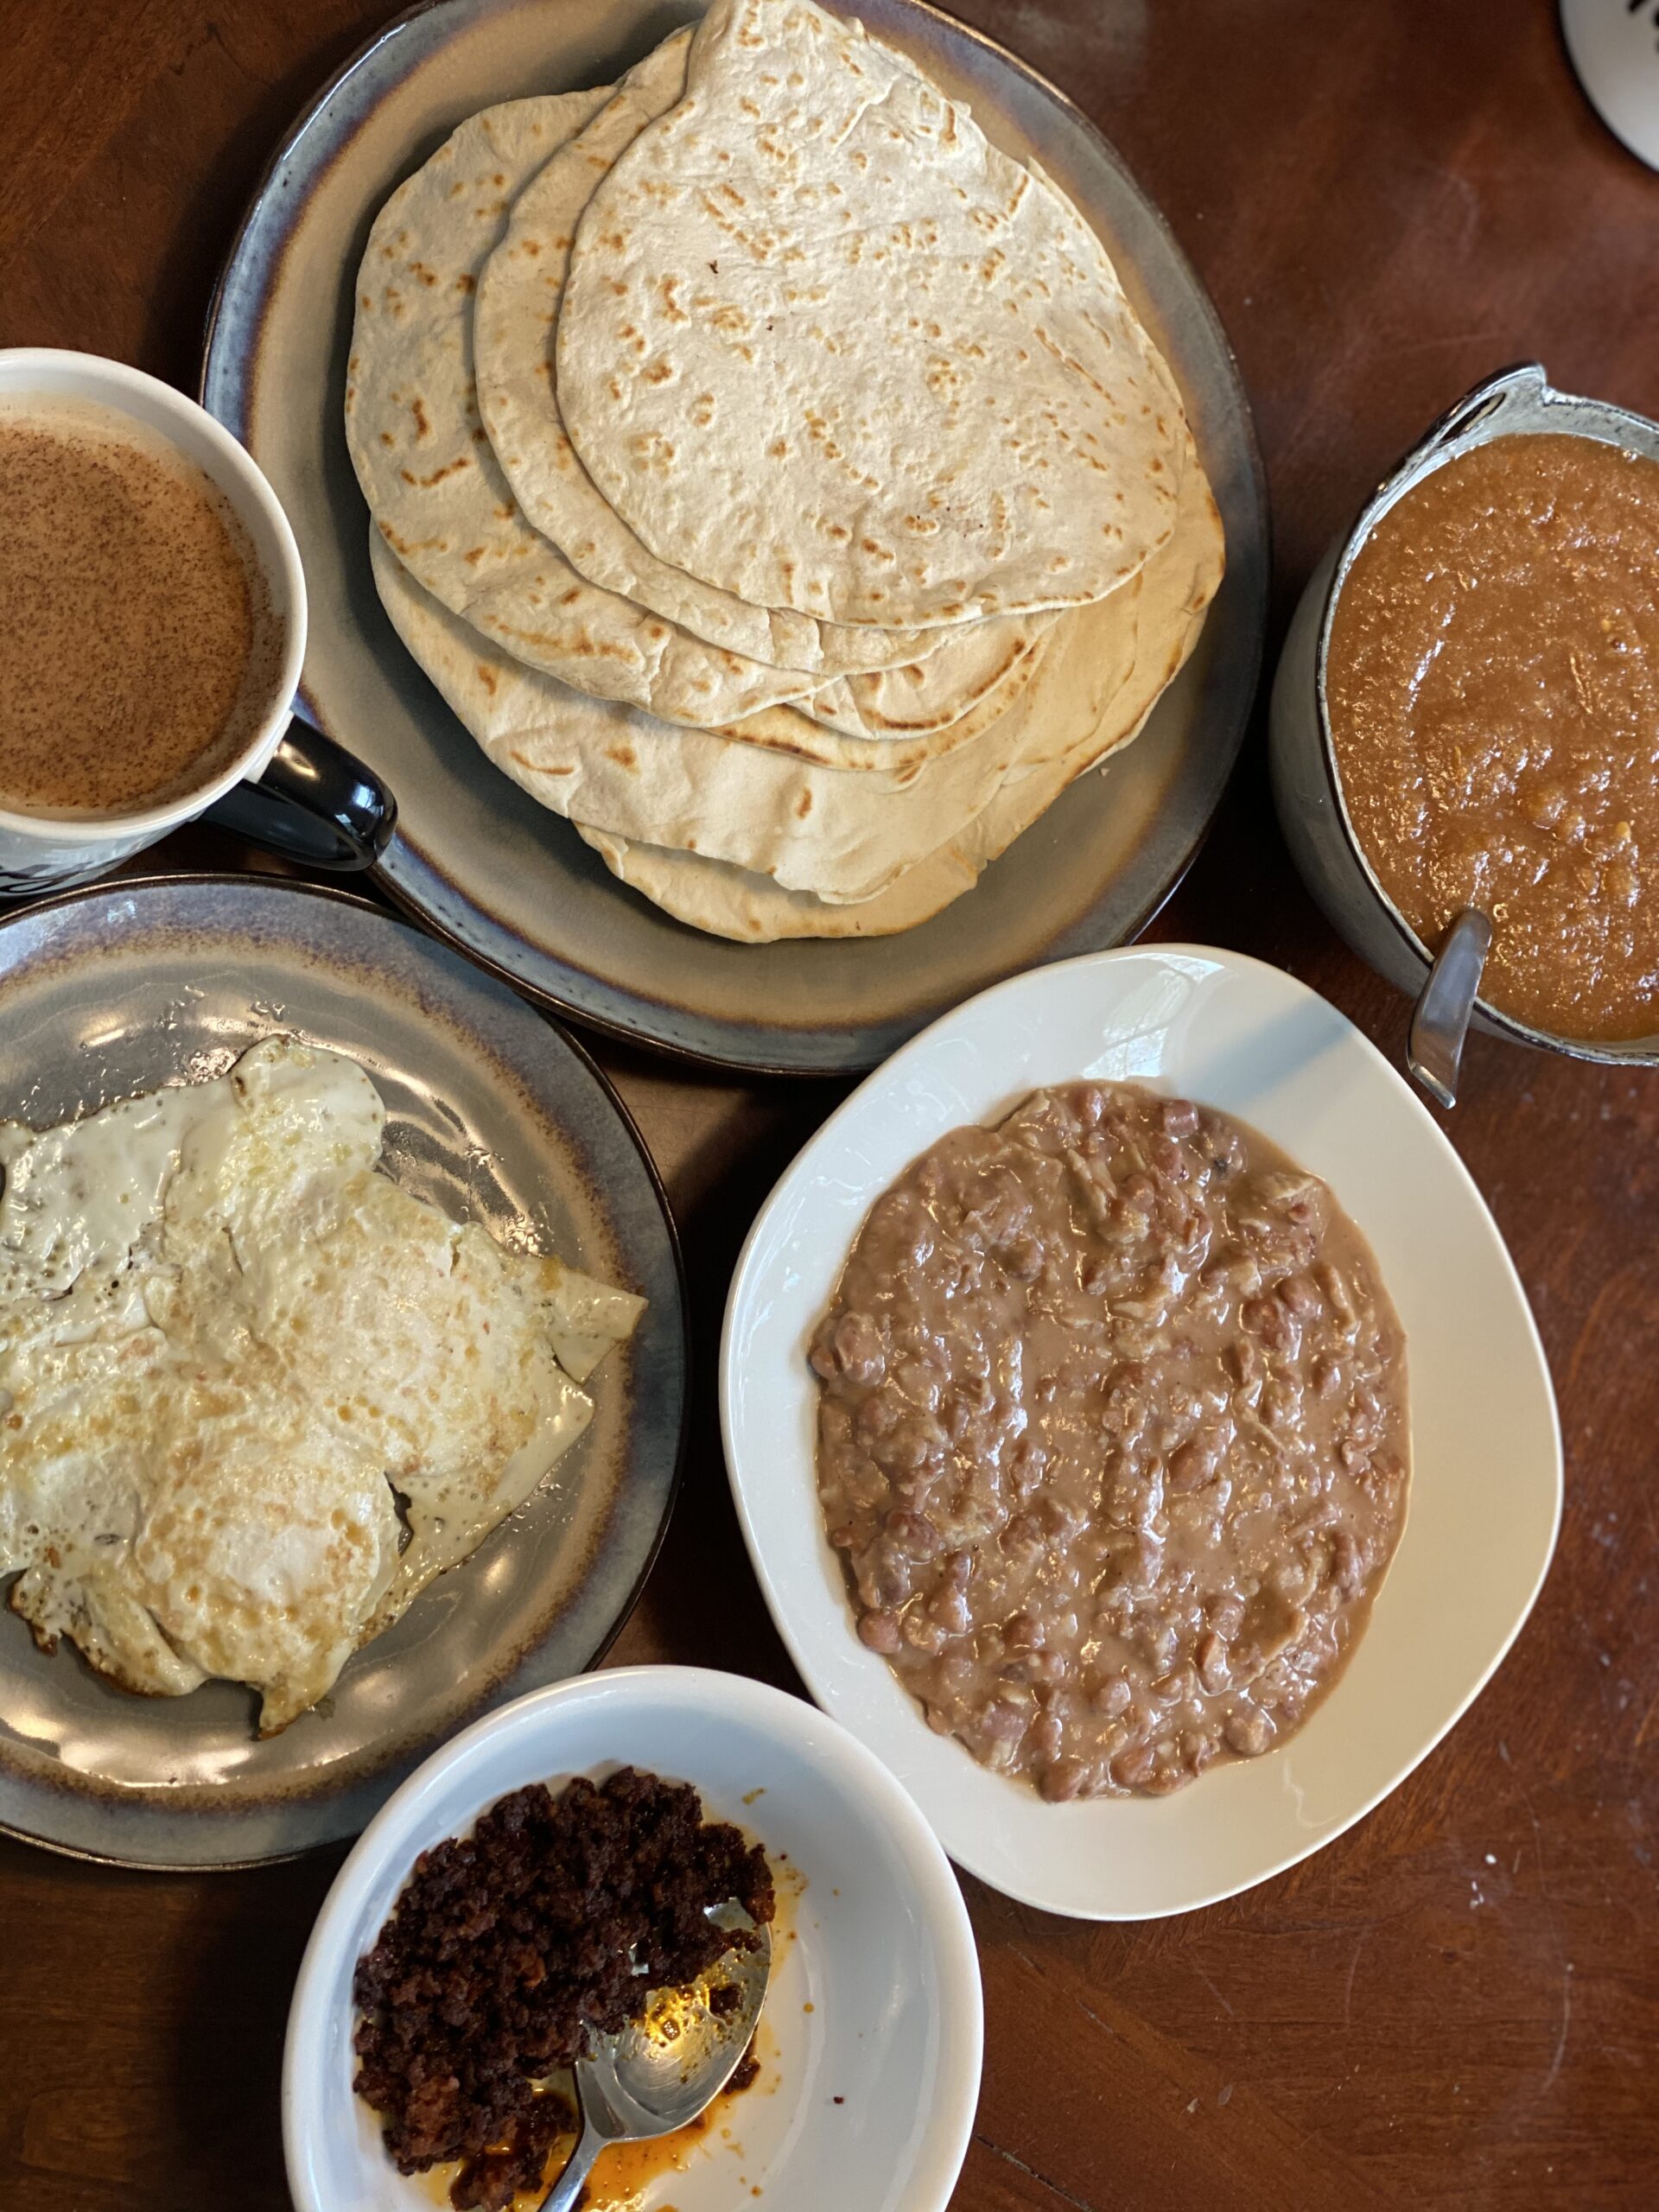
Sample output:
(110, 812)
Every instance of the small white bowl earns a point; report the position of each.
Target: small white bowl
(872, 2036)
(1486, 1474)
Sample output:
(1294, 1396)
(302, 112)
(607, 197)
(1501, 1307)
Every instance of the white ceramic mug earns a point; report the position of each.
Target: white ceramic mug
(1614, 46)
(289, 787)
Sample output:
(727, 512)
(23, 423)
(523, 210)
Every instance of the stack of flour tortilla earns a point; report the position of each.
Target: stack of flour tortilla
(772, 475)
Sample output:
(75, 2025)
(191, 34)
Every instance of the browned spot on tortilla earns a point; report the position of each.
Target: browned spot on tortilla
(422, 428)
(803, 804)
(623, 755)
(466, 282)
(487, 676)
(425, 483)
(405, 546)
(789, 745)
(474, 557)
(575, 645)
(540, 768)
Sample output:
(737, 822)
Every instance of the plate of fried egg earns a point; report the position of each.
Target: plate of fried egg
(342, 1363)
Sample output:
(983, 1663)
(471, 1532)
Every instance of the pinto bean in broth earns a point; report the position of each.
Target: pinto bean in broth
(1112, 1439)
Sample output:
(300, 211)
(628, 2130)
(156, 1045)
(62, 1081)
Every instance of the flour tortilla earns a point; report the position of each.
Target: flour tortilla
(726, 901)
(837, 833)
(823, 346)
(515, 319)
(425, 465)
(498, 697)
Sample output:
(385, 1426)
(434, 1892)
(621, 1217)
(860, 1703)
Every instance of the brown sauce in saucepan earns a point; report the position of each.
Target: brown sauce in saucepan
(1493, 689)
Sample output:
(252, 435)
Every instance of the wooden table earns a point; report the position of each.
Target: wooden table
(1458, 2001)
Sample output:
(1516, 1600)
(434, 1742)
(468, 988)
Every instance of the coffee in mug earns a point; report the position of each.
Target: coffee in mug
(139, 645)
(152, 634)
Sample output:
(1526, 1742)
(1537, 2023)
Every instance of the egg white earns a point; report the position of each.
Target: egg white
(254, 1397)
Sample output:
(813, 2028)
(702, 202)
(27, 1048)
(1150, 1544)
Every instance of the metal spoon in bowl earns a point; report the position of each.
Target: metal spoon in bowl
(662, 2072)
(1440, 1021)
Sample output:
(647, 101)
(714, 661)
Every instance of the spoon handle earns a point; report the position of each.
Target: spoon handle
(564, 2192)
(1440, 1022)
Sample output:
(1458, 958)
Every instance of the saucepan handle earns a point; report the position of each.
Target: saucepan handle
(1526, 378)
(316, 803)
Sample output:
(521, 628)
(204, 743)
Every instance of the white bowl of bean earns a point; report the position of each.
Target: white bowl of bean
(1247, 1044)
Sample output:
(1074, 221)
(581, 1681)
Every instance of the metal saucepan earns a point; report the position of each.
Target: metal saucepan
(1307, 788)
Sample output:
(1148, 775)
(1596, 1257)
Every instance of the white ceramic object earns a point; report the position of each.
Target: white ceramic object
(41, 852)
(1614, 46)
(1487, 1481)
(871, 2039)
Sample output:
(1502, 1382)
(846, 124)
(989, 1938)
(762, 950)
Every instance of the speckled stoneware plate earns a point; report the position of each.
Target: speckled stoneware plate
(494, 1115)
(480, 861)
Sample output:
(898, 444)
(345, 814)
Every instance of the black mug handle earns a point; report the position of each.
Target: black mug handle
(316, 803)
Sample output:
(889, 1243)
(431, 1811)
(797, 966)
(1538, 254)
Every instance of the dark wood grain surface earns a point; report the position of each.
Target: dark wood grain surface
(1459, 2002)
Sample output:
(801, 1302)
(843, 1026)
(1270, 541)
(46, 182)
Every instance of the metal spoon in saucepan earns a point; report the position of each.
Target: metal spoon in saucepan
(1440, 1021)
(657, 2075)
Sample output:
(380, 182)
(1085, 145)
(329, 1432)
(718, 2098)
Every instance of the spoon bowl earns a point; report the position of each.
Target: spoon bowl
(660, 2072)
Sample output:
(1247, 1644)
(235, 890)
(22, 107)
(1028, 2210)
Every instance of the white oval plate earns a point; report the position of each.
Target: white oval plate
(1486, 1480)
(871, 2040)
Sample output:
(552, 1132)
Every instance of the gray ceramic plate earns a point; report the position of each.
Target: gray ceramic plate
(497, 1118)
(478, 859)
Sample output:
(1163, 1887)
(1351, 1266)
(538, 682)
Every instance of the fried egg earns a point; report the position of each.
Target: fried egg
(254, 1396)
